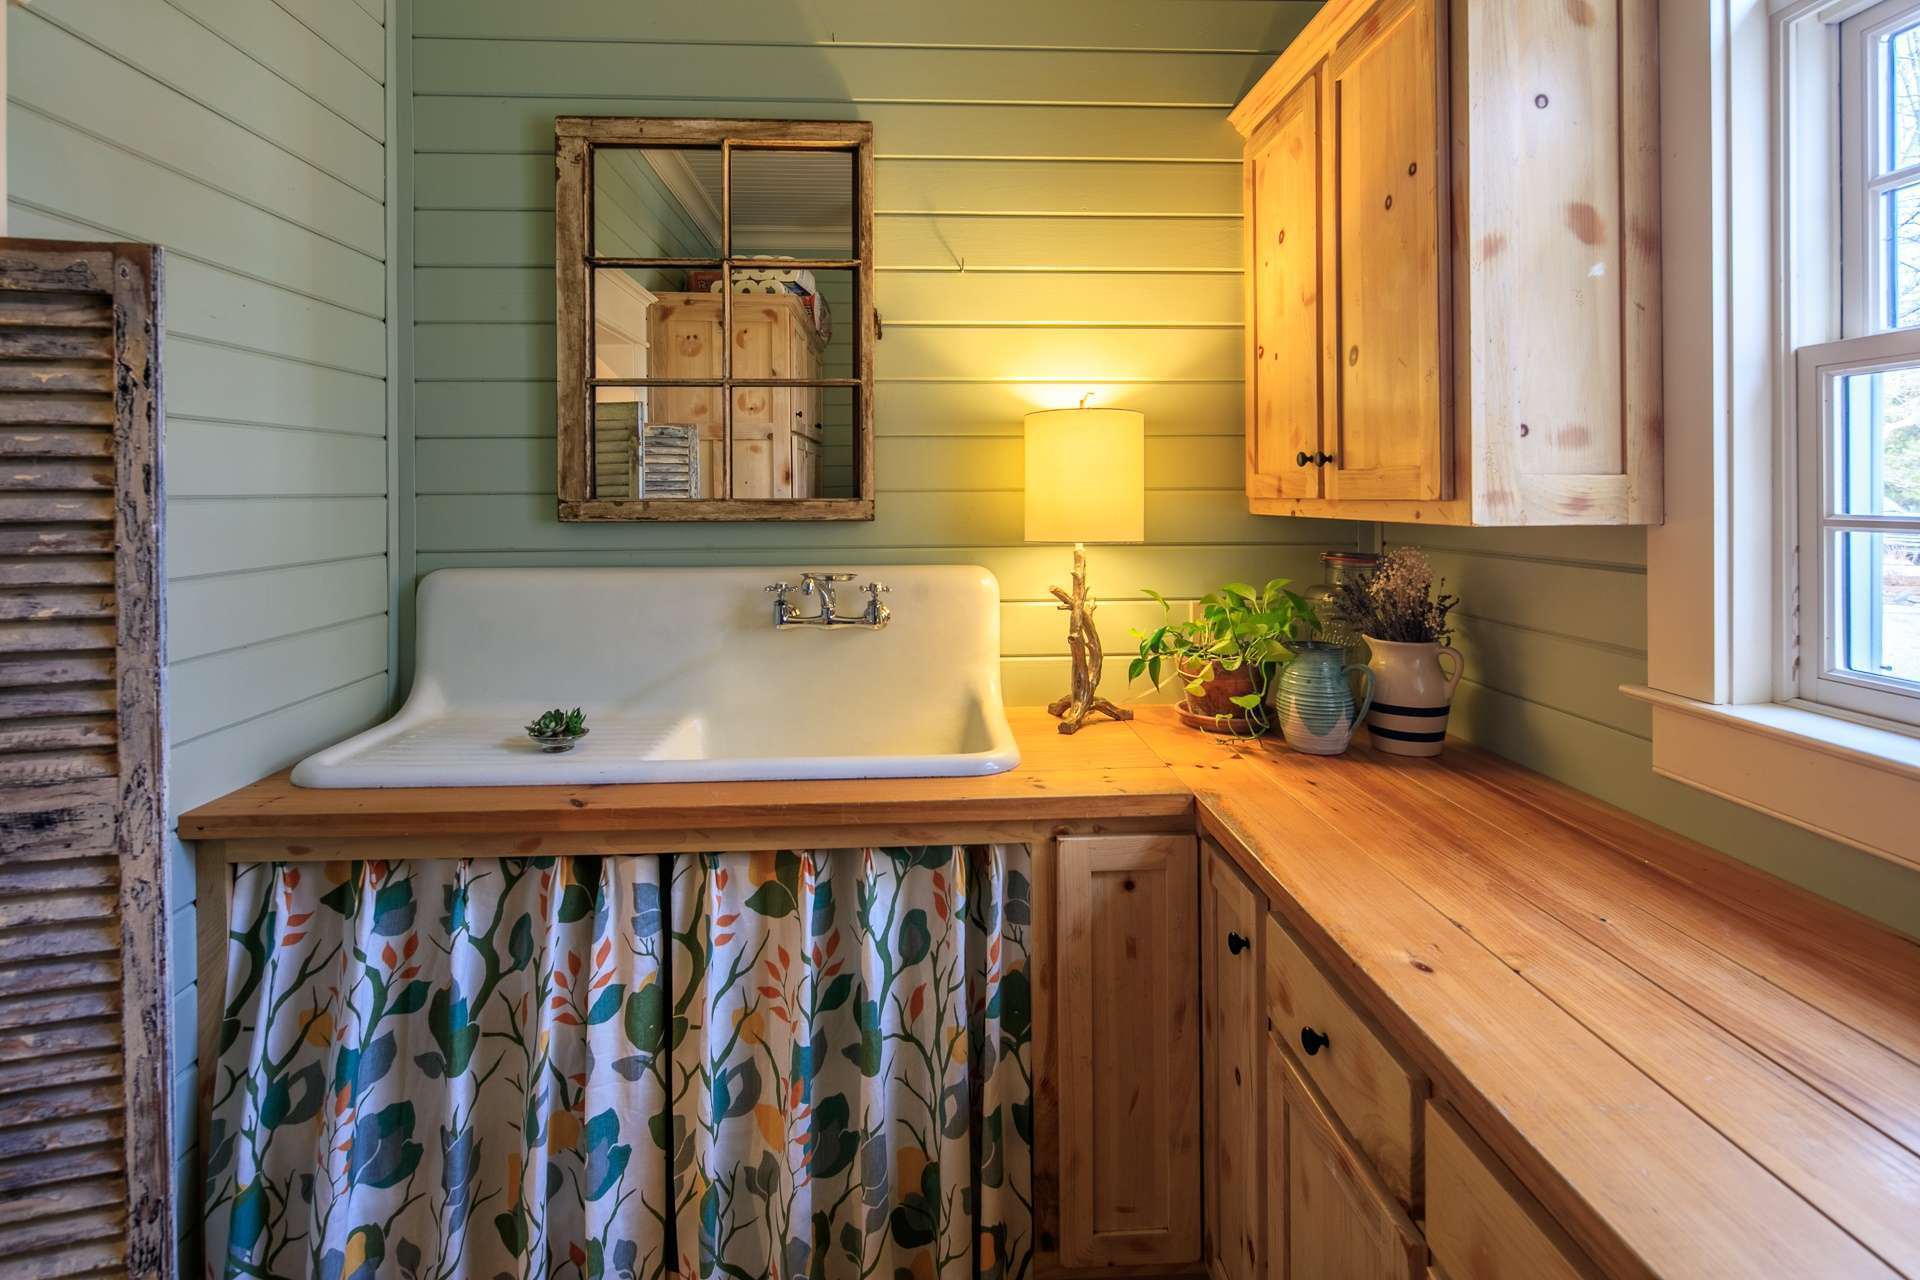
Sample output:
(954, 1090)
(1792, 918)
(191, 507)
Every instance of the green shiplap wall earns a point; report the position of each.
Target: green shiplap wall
(1552, 623)
(247, 137)
(1057, 211)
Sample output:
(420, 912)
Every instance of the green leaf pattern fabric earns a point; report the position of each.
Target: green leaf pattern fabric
(787, 1063)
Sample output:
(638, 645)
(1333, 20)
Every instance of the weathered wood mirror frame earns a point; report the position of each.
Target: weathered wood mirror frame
(575, 138)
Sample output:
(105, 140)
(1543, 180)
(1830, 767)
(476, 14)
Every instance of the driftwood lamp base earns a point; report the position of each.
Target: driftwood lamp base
(1083, 641)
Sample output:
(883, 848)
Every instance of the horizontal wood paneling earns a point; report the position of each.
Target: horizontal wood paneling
(166, 43)
(1553, 622)
(781, 73)
(1058, 213)
(1071, 131)
(464, 181)
(902, 241)
(246, 136)
(1147, 24)
(1103, 298)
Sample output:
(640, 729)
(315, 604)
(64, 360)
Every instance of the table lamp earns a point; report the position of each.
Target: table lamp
(1086, 482)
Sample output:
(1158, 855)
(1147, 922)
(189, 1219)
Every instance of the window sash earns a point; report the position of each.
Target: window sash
(1865, 120)
(1831, 618)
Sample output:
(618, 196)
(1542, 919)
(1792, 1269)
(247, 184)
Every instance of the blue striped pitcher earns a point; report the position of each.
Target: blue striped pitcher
(1312, 701)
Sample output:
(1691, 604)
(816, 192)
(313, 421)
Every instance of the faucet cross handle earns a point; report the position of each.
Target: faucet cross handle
(780, 588)
(877, 614)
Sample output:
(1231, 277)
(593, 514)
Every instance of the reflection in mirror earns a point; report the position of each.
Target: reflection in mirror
(656, 202)
(792, 204)
(788, 441)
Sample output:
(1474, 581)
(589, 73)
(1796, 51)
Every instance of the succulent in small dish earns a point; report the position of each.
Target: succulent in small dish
(558, 730)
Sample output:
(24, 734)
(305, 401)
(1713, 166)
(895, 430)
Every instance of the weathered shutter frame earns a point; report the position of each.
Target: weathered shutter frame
(70, 809)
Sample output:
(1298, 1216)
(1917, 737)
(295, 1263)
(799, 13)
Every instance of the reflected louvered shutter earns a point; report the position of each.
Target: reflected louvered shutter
(85, 1161)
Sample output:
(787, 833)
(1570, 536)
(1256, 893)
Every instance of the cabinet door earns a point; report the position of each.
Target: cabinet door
(1391, 437)
(1286, 329)
(1129, 1050)
(1231, 1060)
(1328, 1215)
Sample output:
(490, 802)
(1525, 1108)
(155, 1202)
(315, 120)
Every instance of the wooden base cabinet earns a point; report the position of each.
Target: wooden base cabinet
(1329, 1217)
(1128, 1051)
(1231, 1059)
(1452, 222)
(1481, 1223)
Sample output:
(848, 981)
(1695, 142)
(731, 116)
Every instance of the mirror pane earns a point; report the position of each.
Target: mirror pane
(647, 323)
(656, 202)
(793, 204)
(658, 442)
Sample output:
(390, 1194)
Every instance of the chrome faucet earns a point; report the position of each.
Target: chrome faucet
(873, 617)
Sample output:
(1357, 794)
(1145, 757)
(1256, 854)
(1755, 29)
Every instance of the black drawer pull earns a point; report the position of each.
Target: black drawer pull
(1312, 1041)
(1237, 942)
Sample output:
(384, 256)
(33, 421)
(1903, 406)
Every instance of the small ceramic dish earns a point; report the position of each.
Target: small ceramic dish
(557, 742)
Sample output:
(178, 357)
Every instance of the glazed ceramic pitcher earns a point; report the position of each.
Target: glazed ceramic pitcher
(1312, 701)
(1413, 687)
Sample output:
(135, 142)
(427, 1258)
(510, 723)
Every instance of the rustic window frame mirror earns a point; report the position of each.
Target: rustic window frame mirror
(576, 138)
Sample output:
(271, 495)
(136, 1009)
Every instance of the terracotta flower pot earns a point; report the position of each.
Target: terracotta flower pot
(1216, 698)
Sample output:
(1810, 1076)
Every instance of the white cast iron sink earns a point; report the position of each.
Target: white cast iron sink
(684, 679)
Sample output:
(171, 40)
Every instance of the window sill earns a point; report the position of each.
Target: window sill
(1842, 779)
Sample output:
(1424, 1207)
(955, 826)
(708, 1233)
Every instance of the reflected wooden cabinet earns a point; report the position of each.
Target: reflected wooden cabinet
(1128, 1045)
(1452, 222)
(776, 430)
(1232, 1024)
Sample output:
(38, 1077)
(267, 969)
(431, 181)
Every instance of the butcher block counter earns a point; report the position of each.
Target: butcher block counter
(1695, 1069)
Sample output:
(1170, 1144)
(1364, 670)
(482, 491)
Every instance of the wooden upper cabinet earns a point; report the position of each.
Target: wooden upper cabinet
(1484, 185)
(1389, 432)
(1283, 200)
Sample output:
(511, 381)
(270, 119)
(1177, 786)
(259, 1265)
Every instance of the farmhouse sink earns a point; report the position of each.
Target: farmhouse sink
(684, 678)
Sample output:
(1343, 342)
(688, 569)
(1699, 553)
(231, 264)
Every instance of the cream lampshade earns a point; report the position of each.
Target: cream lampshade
(1086, 482)
(1086, 475)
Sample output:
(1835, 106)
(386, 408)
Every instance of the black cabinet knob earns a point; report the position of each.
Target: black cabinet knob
(1238, 942)
(1302, 458)
(1312, 1041)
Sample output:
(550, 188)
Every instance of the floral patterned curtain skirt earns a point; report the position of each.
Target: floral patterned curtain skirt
(775, 1064)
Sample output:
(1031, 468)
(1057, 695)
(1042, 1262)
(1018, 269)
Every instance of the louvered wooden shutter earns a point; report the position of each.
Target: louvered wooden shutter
(85, 1161)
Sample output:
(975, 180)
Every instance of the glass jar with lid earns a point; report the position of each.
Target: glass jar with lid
(1334, 629)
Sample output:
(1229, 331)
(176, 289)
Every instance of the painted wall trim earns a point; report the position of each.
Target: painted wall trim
(1790, 764)
(400, 390)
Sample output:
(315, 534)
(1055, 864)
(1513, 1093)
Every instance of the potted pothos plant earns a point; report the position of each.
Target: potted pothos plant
(1227, 653)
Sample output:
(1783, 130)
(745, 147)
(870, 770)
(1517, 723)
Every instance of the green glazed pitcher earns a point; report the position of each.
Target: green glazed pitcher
(1312, 702)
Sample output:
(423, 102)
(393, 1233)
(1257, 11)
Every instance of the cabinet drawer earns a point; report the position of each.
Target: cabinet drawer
(1329, 1216)
(1481, 1223)
(1370, 1086)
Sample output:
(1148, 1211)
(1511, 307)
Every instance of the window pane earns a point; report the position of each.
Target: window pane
(1880, 604)
(1901, 62)
(1878, 452)
(1900, 234)
(793, 204)
(656, 202)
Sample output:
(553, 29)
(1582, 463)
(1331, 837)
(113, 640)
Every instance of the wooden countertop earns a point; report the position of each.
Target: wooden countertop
(1701, 1070)
(1089, 775)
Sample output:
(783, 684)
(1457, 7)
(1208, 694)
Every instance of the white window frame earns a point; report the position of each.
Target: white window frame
(1750, 125)
(1815, 634)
